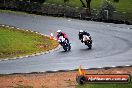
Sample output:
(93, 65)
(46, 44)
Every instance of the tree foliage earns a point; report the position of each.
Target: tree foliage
(106, 11)
(116, 1)
(66, 1)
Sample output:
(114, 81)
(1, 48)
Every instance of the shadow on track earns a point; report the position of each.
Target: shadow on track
(65, 51)
(86, 49)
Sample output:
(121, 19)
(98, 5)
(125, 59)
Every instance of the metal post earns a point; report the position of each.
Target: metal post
(4, 4)
(76, 12)
(124, 16)
(107, 13)
(80, 16)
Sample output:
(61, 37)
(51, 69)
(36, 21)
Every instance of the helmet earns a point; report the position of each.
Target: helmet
(81, 31)
(58, 31)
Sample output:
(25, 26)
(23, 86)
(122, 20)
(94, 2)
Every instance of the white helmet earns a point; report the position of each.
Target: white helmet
(81, 31)
(58, 31)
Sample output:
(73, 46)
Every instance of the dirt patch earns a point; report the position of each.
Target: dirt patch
(53, 80)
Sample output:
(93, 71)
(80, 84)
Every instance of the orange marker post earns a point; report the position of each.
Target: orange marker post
(81, 71)
(51, 36)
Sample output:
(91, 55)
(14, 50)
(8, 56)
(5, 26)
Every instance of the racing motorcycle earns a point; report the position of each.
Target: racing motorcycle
(63, 42)
(87, 41)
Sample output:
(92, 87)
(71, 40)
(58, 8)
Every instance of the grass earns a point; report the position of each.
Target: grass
(129, 85)
(122, 6)
(15, 43)
(55, 1)
(9, 11)
(22, 86)
(73, 3)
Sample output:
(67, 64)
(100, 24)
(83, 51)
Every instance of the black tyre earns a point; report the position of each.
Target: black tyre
(69, 47)
(65, 48)
(90, 46)
(81, 79)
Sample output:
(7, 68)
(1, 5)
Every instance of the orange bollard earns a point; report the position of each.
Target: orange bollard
(51, 36)
(81, 71)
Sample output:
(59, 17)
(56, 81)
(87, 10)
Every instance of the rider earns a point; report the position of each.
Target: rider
(81, 33)
(60, 33)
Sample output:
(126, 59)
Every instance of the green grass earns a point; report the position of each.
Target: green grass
(129, 85)
(123, 5)
(73, 3)
(55, 1)
(18, 42)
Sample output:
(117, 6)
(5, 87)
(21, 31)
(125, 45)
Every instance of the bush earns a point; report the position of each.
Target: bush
(106, 11)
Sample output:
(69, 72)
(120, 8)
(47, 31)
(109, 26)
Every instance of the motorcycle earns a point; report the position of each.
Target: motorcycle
(63, 42)
(87, 41)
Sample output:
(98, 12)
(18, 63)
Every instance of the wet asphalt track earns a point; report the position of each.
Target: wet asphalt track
(112, 44)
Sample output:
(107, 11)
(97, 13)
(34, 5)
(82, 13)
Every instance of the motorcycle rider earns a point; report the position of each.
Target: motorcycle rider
(60, 33)
(81, 33)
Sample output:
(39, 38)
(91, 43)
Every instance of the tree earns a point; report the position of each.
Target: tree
(87, 5)
(106, 10)
(116, 1)
(83, 4)
(66, 1)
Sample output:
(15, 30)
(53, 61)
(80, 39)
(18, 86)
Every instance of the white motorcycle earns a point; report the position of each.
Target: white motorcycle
(87, 41)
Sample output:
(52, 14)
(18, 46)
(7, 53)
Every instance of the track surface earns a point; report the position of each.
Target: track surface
(112, 44)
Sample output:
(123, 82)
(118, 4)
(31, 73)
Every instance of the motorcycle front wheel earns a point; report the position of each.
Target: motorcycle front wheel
(90, 46)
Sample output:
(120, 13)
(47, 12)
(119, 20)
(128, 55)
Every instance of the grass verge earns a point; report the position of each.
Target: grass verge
(16, 12)
(112, 85)
(22, 86)
(15, 43)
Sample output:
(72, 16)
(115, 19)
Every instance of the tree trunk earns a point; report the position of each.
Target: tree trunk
(88, 6)
(83, 4)
(88, 11)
